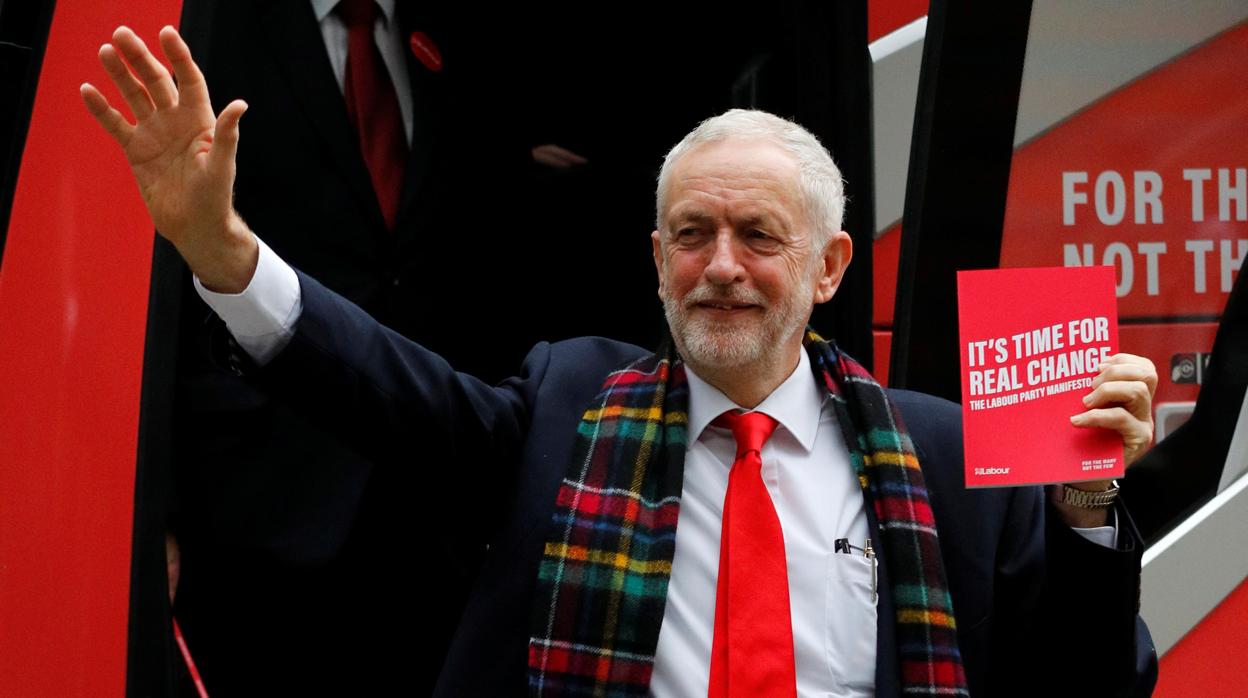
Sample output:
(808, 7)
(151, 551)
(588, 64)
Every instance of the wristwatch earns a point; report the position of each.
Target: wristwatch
(1084, 499)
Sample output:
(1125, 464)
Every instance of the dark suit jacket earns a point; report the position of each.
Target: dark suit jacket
(291, 539)
(1033, 599)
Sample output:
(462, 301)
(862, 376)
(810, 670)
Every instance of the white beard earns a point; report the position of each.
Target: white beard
(734, 344)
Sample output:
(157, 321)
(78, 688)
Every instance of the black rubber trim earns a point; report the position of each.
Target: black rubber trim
(24, 28)
(958, 179)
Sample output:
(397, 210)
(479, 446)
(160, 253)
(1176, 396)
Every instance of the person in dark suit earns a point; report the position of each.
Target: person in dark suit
(1018, 576)
(599, 447)
(287, 533)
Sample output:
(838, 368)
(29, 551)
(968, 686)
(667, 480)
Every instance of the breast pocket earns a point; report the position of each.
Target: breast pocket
(850, 637)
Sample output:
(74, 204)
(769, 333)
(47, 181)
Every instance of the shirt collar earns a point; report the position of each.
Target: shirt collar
(796, 404)
(322, 8)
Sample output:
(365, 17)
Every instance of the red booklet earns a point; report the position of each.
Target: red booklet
(1031, 340)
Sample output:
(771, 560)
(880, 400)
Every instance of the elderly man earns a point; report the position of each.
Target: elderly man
(825, 543)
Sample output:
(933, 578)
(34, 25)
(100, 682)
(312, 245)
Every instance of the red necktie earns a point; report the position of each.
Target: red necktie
(752, 653)
(373, 107)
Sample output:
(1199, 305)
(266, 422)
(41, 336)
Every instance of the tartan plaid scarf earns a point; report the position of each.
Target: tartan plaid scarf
(602, 582)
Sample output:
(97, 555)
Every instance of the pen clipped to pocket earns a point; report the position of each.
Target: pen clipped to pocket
(844, 547)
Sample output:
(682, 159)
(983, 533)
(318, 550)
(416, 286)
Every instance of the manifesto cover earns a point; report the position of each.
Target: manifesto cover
(1031, 341)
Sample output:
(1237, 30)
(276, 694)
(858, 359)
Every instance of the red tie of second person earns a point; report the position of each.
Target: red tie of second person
(752, 652)
(373, 107)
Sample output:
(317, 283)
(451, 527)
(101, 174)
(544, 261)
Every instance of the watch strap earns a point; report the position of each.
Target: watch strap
(1085, 499)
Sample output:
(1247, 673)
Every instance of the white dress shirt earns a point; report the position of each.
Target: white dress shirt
(390, 44)
(805, 468)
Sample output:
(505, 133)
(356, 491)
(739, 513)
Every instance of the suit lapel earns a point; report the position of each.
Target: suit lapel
(887, 664)
(428, 100)
(295, 39)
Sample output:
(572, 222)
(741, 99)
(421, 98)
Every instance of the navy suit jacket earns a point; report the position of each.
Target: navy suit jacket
(1033, 599)
(286, 530)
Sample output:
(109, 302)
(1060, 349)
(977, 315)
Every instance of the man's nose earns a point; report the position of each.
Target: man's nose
(725, 266)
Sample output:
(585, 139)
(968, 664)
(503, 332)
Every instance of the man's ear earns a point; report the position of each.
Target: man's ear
(657, 244)
(836, 256)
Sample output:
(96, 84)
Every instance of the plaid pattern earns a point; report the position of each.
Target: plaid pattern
(888, 470)
(602, 583)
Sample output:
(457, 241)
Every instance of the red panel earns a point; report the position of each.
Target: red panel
(1209, 660)
(73, 300)
(1184, 115)
(1134, 147)
(887, 16)
(882, 344)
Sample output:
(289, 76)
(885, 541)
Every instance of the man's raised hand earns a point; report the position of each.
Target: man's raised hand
(182, 156)
(1122, 400)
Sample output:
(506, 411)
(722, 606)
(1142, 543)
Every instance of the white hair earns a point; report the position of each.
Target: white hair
(822, 188)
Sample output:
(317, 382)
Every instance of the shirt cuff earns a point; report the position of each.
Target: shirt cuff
(1104, 536)
(262, 318)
